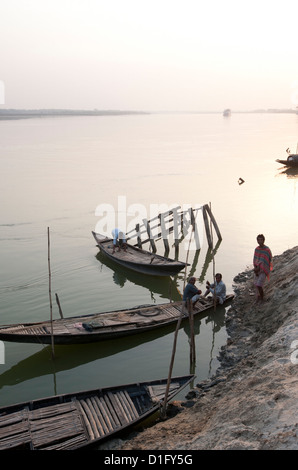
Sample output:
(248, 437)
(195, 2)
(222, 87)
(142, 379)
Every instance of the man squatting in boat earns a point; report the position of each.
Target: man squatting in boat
(119, 240)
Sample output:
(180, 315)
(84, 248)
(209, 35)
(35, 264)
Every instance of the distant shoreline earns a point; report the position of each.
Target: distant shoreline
(32, 113)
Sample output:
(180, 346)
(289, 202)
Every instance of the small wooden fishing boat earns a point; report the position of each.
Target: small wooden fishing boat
(227, 112)
(292, 160)
(138, 259)
(75, 421)
(100, 326)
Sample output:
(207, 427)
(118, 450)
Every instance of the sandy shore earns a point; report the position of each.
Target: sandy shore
(251, 402)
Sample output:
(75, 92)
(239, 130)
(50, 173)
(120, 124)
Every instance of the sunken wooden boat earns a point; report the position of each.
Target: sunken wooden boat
(138, 259)
(75, 421)
(100, 326)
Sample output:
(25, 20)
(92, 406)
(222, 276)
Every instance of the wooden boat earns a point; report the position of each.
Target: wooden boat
(292, 160)
(100, 326)
(227, 112)
(75, 421)
(138, 259)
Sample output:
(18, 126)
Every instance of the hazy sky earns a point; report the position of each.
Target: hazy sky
(164, 55)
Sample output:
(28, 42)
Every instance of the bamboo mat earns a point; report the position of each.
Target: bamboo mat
(65, 426)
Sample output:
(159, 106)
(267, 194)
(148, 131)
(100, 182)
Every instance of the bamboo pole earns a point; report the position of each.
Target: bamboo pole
(59, 306)
(163, 410)
(190, 313)
(175, 227)
(151, 237)
(164, 233)
(138, 235)
(208, 209)
(50, 294)
(207, 228)
(213, 263)
(192, 351)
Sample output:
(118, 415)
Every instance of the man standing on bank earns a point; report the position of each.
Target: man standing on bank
(262, 262)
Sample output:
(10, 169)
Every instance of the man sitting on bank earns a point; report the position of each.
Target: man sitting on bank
(218, 289)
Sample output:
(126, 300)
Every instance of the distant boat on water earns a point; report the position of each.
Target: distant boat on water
(292, 160)
(227, 112)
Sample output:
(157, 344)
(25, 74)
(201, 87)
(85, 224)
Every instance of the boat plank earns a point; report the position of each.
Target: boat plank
(52, 410)
(102, 423)
(47, 431)
(68, 444)
(16, 437)
(172, 311)
(113, 416)
(123, 406)
(14, 429)
(94, 414)
(104, 412)
(12, 418)
(89, 419)
(119, 412)
(129, 403)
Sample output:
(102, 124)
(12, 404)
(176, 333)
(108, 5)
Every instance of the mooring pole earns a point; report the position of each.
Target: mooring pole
(213, 262)
(59, 306)
(192, 351)
(164, 408)
(50, 295)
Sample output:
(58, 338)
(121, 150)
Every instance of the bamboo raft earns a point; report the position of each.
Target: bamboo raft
(75, 421)
(138, 259)
(101, 326)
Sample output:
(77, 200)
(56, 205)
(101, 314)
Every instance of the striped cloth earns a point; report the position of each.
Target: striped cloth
(263, 259)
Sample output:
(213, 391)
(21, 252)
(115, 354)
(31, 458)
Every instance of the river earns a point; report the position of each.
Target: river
(61, 172)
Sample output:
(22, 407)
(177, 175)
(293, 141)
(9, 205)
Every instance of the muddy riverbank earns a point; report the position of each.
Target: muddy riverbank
(251, 402)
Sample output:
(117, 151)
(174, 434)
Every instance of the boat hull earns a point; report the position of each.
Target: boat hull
(83, 419)
(101, 326)
(139, 260)
(292, 161)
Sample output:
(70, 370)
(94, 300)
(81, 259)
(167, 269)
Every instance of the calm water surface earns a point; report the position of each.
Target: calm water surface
(55, 172)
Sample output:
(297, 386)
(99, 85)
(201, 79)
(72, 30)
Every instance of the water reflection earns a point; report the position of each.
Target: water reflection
(217, 320)
(166, 287)
(71, 356)
(290, 172)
